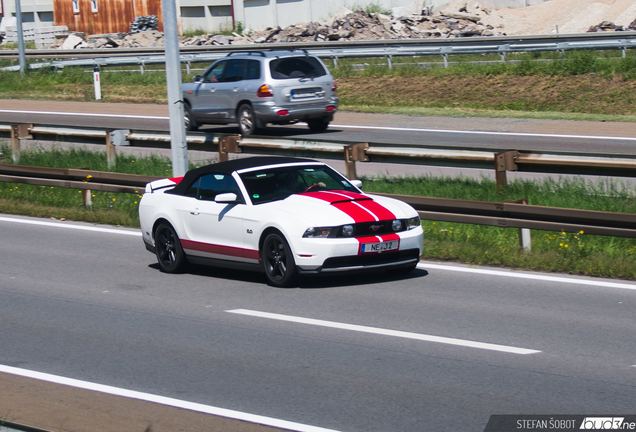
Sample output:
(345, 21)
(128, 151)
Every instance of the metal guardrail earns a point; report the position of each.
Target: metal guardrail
(501, 160)
(335, 50)
(499, 214)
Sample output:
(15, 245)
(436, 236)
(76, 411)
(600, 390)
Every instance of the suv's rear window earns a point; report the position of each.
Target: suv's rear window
(296, 67)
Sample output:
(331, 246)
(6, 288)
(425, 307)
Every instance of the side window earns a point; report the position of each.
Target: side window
(253, 70)
(235, 71)
(193, 189)
(213, 184)
(215, 73)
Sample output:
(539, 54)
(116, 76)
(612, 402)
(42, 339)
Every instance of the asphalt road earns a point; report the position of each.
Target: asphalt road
(503, 134)
(440, 350)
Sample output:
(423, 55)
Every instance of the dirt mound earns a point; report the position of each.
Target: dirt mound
(566, 16)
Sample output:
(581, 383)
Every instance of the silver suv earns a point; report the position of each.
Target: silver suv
(253, 88)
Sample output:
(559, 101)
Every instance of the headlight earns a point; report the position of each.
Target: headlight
(396, 225)
(347, 230)
(317, 232)
(414, 222)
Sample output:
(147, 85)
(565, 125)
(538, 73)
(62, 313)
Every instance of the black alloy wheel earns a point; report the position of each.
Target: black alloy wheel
(170, 255)
(278, 261)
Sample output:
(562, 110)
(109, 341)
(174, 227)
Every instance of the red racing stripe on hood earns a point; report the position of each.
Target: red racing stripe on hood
(359, 207)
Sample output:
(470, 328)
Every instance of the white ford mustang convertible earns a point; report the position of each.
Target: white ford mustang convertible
(281, 216)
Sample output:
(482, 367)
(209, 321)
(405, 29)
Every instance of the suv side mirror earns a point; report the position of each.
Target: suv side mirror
(197, 78)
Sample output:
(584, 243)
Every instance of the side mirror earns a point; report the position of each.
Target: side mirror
(225, 198)
(197, 78)
(356, 183)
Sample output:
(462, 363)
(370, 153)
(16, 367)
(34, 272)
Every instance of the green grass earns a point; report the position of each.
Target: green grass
(578, 253)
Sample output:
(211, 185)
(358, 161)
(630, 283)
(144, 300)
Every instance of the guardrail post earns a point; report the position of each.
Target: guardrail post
(18, 132)
(525, 237)
(389, 61)
(355, 153)
(228, 144)
(504, 162)
(111, 151)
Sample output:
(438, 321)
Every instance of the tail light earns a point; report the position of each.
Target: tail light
(334, 86)
(282, 112)
(264, 91)
(330, 108)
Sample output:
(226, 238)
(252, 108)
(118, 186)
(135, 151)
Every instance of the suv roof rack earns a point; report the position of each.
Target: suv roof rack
(261, 53)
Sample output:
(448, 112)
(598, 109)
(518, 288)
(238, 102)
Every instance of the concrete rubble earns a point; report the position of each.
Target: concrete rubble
(457, 19)
(346, 25)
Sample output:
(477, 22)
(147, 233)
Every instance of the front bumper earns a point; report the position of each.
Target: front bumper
(343, 255)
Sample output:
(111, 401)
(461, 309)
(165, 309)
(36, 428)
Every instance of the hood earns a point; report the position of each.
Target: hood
(340, 207)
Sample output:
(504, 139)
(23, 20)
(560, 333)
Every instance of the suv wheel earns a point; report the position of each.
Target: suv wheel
(190, 123)
(318, 125)
(248, 123)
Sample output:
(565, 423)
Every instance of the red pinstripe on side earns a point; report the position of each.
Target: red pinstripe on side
(220, 250)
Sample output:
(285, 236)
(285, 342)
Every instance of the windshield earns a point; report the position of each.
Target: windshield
(279, 183)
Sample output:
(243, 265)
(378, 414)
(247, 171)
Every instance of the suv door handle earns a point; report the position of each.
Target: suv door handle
(195, 212)
(236, 89)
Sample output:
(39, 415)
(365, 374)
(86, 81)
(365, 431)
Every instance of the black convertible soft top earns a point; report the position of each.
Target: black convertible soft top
(230, 166)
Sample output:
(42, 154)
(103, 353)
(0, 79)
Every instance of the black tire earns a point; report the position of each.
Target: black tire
(170, 255)
(318, 125)
(247, 121)
(190, 122)
(278, 261)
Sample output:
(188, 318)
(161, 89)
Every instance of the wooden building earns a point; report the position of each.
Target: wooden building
(104, 16)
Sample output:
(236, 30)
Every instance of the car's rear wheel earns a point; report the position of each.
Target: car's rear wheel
(318, 125)
(170, 255)
(278, 261)
(248, 123)
(190, 123)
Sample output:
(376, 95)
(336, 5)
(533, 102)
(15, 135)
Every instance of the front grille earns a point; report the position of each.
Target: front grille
(367, 229)
(371, 259)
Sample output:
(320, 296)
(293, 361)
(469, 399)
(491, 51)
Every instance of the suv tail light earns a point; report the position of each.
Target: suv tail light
(334, 86)
(264, 91)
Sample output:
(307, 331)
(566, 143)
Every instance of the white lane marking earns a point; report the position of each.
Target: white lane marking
(521, 134)
(387, 128)
(192, 406)
(426, 266)
(71, 226)
(385, 332)
(84, 114)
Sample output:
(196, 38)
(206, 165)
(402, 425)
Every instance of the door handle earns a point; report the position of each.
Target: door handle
(195, 212)
(212, 90)
(236, 89)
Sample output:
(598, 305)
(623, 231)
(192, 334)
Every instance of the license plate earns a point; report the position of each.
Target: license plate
(303, 95)
(379, 247)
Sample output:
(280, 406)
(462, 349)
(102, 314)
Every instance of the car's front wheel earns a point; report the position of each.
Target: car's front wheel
(278, 261)
(170, 255)
(248, 123)
(318, 125)
(190, 123)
